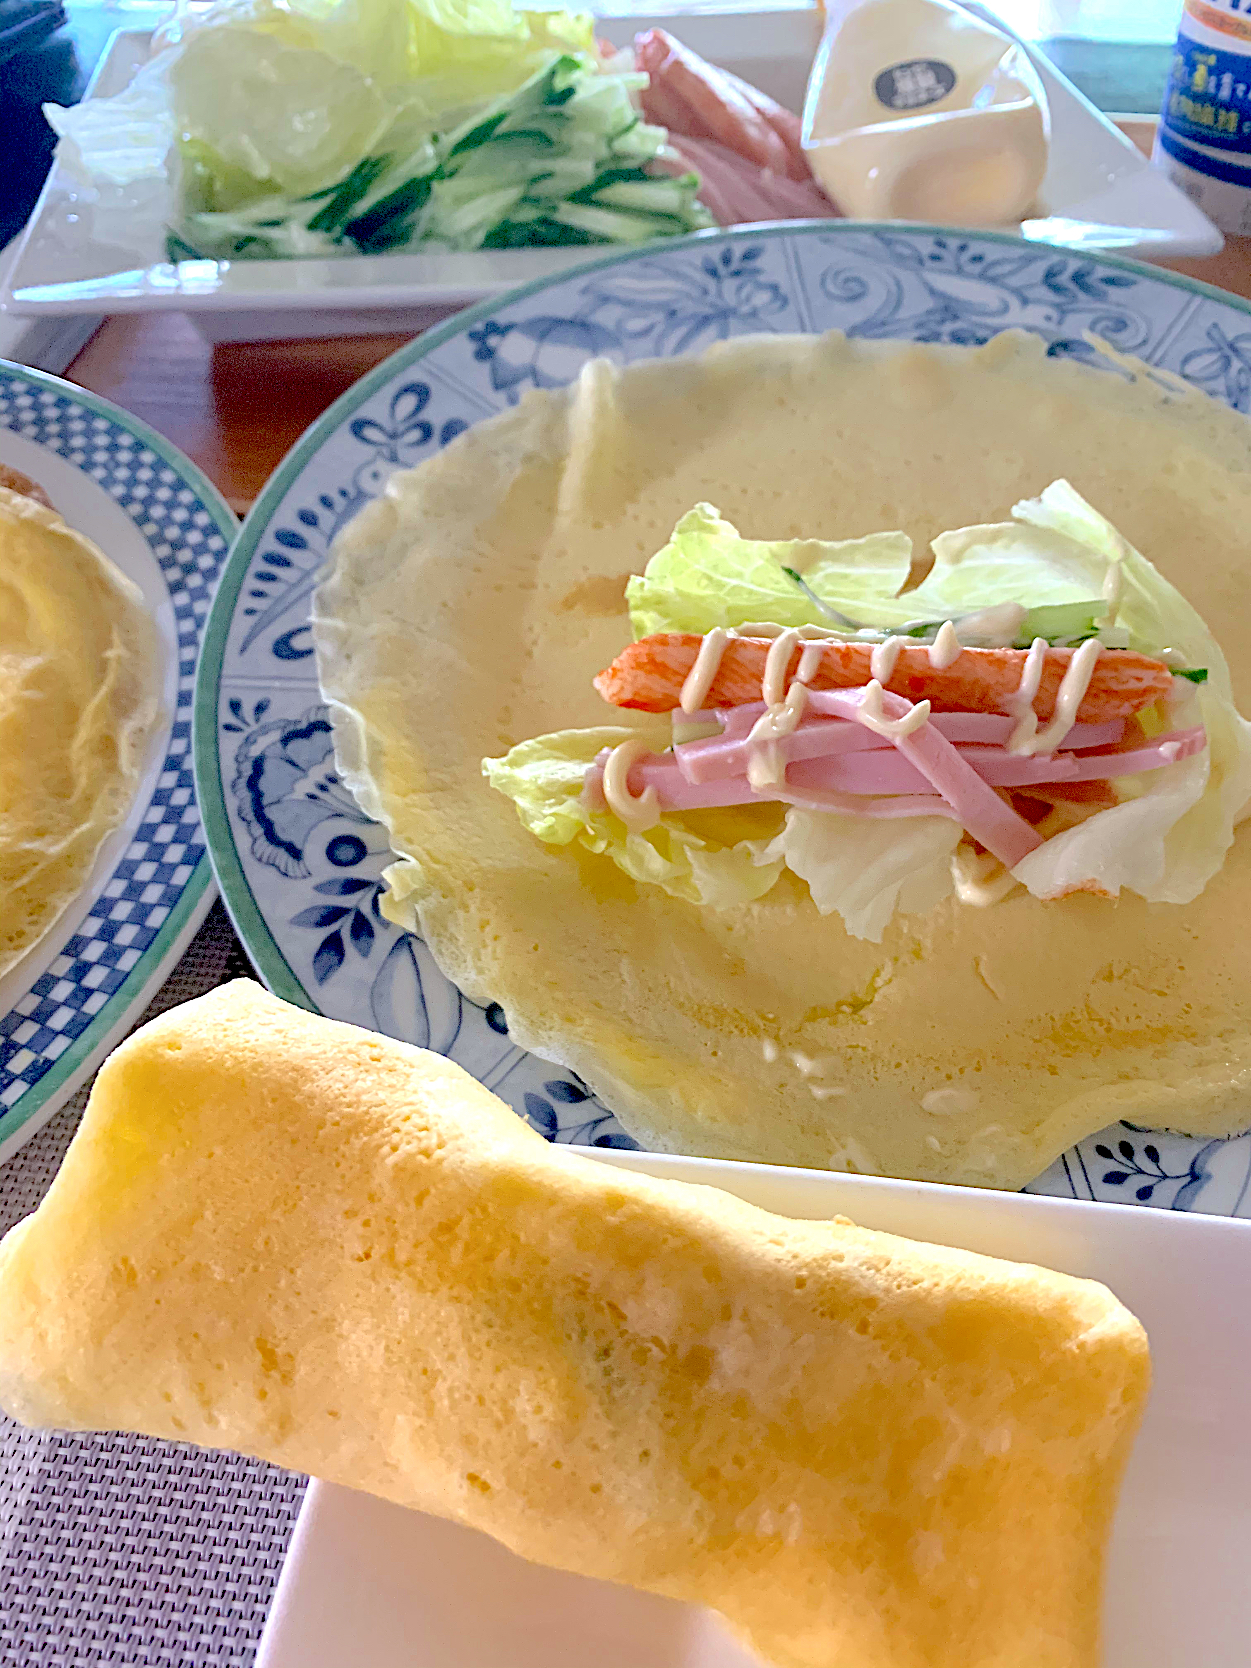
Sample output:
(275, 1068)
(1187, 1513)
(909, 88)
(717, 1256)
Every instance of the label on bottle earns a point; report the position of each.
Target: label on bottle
(1204, 137)
(1208, 98)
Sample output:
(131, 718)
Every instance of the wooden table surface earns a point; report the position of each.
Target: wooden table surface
(237, 408)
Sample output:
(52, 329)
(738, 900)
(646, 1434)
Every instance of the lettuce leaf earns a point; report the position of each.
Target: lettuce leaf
(860, 868)
(1171, 834)
(979, 567)
(1155, 612)
(707, 575)
(706, 857)
(120, 140)
(1056, 552)
(291, 116)
(865, 869)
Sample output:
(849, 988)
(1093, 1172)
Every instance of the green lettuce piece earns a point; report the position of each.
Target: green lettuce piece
(867, 869)
(1053, 558)
(705, 857)
(466, 52)
(1171, 832)
(260, 109)
(707, 575)
(980, 567)
(1155, 613)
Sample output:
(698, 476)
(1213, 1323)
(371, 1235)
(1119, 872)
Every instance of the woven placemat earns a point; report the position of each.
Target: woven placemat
(118, 1549)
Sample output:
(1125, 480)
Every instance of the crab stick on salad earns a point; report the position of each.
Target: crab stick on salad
(650, 675)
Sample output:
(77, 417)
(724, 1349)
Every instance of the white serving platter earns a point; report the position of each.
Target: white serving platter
(368, 1582)
(1100, 192)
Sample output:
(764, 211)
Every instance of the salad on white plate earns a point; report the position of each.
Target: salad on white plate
(272, 129)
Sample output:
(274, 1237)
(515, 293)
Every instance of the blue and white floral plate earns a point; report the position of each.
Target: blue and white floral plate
(298, 863)
(65, 1004)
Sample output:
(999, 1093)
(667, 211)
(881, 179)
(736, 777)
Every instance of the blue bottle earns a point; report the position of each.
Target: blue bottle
(1204, 139)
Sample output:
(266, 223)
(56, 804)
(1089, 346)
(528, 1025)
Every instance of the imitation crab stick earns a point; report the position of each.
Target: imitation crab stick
(649, 674)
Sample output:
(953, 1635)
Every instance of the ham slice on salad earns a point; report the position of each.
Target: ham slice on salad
(744, 145)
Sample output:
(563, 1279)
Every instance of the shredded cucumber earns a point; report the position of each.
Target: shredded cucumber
(1062, 624)
(563, 159)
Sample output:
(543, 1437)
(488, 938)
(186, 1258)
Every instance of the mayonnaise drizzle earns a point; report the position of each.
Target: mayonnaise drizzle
(882, 660)
(945, 648)
(870, 714)
(979, 878)
(1073, 687)
(809, 662)
(765, 766)
(992, 628)
(1027, 738)
(700, 678)
(1112, 592)
(638, 814)
(777, 662)
(1021, 704)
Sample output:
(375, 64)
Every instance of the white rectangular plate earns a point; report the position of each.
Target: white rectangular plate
(369, 1582)
(1099, 193)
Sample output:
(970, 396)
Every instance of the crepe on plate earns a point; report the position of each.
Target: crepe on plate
(284, 1235)
(78, 701)
(469, 609)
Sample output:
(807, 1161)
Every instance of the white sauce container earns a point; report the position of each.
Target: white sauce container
(918, 110)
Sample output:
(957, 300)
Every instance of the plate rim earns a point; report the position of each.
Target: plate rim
(67, 1074)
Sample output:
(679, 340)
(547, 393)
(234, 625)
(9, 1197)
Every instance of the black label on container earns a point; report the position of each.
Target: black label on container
(914, 84)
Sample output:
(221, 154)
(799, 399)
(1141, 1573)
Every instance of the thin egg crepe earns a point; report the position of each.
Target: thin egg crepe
(78, 701)
(305, 1241)
(470, 607)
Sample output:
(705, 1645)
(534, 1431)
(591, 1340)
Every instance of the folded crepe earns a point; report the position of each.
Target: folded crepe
(301, 1240)
(79, 698)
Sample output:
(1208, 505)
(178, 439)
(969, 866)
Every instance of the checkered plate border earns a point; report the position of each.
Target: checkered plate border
(55, 1031)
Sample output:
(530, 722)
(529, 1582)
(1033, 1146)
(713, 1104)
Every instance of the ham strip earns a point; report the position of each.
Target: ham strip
(979, 808)
(728, 754)
(689, 96)
(675, 793)
(735, 191)
(896, 776)
(885, 772)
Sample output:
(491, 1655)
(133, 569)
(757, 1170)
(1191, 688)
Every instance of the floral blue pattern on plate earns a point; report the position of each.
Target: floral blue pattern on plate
(299, 864)
(77, 991)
